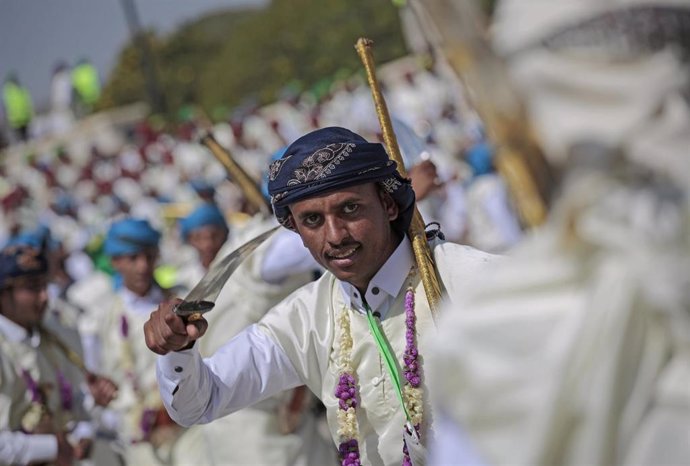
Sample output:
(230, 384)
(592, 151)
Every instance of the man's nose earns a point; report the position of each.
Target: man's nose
(336, 230)
(142, 262)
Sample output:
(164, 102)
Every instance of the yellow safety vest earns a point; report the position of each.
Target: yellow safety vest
(18, 105)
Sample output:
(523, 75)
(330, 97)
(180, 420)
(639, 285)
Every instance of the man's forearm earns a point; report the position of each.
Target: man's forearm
(246, 370)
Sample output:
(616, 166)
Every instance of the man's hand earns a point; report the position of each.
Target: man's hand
(102, 389)
(424, 179)
(165, 331)
(82, 449)
(65, 455)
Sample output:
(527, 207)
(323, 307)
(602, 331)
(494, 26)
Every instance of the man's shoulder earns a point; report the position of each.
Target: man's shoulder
(445, 251)
(310, 292)
(308, 304)
(91, 291)
(459, 264)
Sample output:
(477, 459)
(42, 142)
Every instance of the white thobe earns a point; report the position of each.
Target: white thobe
(294, 344)
(576, 350)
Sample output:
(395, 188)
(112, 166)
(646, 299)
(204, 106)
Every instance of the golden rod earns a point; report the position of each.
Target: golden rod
(246, 183)
(455, 32)
(420, 246)
(72, 355)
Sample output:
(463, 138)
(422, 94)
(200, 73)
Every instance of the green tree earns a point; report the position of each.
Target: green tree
(224, 59)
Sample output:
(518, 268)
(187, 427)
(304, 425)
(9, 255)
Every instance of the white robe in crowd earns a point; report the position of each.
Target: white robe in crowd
(22, 438)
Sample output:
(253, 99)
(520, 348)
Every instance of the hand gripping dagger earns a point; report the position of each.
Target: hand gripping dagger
(203, 296)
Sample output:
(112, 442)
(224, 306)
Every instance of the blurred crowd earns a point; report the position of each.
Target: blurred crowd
(573, 351)
(78, 186)
(162, 190)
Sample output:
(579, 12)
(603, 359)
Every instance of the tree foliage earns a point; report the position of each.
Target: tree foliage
(226, 59)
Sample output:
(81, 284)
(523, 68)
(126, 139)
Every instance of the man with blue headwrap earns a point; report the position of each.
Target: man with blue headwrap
(115, 340)
(206, 230)
(351, 208)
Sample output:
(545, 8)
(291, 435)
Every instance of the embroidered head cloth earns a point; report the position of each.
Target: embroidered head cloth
(130, 236)
(333, 158)
(204, 215)
(21, 261)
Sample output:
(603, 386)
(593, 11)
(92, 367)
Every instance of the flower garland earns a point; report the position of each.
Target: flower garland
(347, 393)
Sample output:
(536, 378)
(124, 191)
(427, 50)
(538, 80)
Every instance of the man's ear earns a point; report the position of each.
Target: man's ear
(116, 263)
(389, 205)
(296, 228)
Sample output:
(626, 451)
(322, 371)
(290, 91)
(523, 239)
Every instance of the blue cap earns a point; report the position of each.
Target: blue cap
(39, 238)
(480, 158)
(21, 261)
(204, 215)
(130, 236)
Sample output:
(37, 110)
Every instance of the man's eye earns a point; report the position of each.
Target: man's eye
(312, 220)
(350, 208)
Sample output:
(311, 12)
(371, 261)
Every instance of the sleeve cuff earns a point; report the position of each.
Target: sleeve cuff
(84, 429)
(43, 448)
(177, 365)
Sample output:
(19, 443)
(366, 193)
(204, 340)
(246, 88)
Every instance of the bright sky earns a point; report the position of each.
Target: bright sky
(35, 34)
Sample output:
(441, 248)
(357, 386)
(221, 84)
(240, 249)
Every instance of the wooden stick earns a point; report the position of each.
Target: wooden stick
(420, 246)
(237, 174)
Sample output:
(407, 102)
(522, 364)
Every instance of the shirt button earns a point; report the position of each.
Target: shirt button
(375, 290)
(178, 369)
(376, 381)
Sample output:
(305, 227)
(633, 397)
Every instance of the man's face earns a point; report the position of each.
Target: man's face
(137, 270)
(207, 241)
(348, 231)
(26, 301)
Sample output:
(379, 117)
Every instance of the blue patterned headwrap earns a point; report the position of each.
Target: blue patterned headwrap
(334, 158)
(130, 236)
(21, 261)
(206, 214)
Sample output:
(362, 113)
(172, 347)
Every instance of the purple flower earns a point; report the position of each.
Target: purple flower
(148, 419)
(124, 326)
(36, 395)
(66, 395)
(349, 452)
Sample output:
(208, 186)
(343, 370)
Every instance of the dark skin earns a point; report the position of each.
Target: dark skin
(348, 231)
(102, 389)
(65, 454)
(207, 240)
(137, 270)
(424, 179)
(25, 302)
